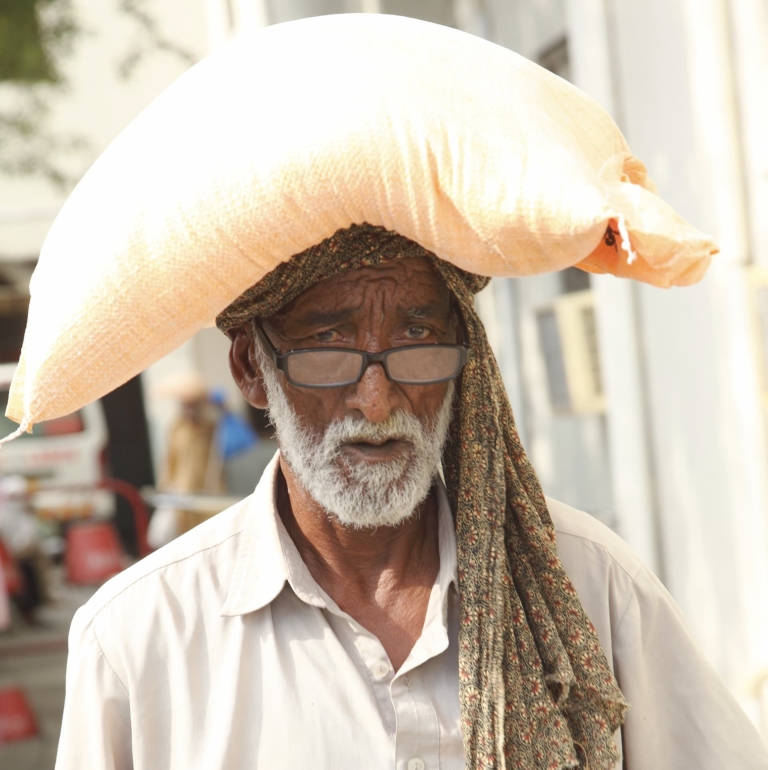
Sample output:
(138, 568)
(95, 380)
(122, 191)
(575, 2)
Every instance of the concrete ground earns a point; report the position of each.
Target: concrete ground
(34, 658)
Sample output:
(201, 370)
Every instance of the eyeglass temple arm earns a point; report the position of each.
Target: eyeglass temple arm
(267, 343)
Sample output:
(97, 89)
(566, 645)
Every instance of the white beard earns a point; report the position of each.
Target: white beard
(362, 495)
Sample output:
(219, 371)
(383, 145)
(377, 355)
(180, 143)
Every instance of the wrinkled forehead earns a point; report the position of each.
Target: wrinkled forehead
(409, 285)
(357, 247)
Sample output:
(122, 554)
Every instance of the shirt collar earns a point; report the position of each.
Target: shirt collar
(267, 558)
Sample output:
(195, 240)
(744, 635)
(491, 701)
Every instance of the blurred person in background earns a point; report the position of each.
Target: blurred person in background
(233, 434)
(20, 534)
(193, 463)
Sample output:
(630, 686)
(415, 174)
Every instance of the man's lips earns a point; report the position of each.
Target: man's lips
(381, 449)
(371, 442)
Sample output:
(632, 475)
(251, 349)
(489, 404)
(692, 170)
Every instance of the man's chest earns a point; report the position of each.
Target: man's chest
(295, 686)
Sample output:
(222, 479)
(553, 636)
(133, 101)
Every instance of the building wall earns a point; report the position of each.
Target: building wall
(529, 28)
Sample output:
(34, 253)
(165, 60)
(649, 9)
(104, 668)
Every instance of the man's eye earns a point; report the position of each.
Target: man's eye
(417, 332)
(329, 335)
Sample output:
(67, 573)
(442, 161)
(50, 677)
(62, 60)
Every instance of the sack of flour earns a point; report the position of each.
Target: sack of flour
(272, 144)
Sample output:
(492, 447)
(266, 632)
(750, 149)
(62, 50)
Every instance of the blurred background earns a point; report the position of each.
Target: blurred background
(644, 407)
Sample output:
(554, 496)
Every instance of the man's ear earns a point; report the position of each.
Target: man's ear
(245, 370)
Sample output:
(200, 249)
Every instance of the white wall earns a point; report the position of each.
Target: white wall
(526, 27)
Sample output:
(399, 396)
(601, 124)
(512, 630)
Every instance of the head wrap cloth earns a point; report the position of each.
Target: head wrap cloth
(535, 687)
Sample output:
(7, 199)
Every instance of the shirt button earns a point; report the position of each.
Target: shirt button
(415, 764)
(380, 669)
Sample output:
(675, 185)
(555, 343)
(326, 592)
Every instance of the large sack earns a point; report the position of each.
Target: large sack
(274, 143)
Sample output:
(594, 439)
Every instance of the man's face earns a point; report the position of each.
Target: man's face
(367, 452)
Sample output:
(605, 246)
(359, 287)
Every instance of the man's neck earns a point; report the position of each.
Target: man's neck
(381, 577)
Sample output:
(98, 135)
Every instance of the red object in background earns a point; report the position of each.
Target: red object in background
(63, 426)
(9, 571)
(17, 721)
(93, 553)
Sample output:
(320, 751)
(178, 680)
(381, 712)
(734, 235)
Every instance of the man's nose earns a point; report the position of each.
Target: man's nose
(375, 396)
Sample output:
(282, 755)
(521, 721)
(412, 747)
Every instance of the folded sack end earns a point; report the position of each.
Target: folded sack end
(658, 259)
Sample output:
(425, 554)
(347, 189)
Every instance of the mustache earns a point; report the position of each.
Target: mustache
(399, 426)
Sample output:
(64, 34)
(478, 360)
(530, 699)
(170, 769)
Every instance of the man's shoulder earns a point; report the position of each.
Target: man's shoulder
(202, 552)
(582, 536)
(607, 574)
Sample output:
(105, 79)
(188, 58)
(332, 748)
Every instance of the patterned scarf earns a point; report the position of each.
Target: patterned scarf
(535, 688)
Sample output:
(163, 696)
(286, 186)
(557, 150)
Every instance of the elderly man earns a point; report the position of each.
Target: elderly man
(397, 592)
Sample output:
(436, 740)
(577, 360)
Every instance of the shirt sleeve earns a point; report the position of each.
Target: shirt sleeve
(681, 715)
(96, 727)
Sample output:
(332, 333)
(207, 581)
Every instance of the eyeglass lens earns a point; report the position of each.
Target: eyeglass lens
(420, 364)
(323, 367)
(415, 365)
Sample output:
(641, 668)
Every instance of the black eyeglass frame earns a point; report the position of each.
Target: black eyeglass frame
(281, 360)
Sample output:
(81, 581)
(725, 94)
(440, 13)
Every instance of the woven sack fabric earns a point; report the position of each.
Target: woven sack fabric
(273, 144)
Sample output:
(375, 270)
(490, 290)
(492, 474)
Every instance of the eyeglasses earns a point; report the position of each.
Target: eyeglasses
(336, 367)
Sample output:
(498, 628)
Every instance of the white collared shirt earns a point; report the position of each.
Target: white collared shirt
(221, 652)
